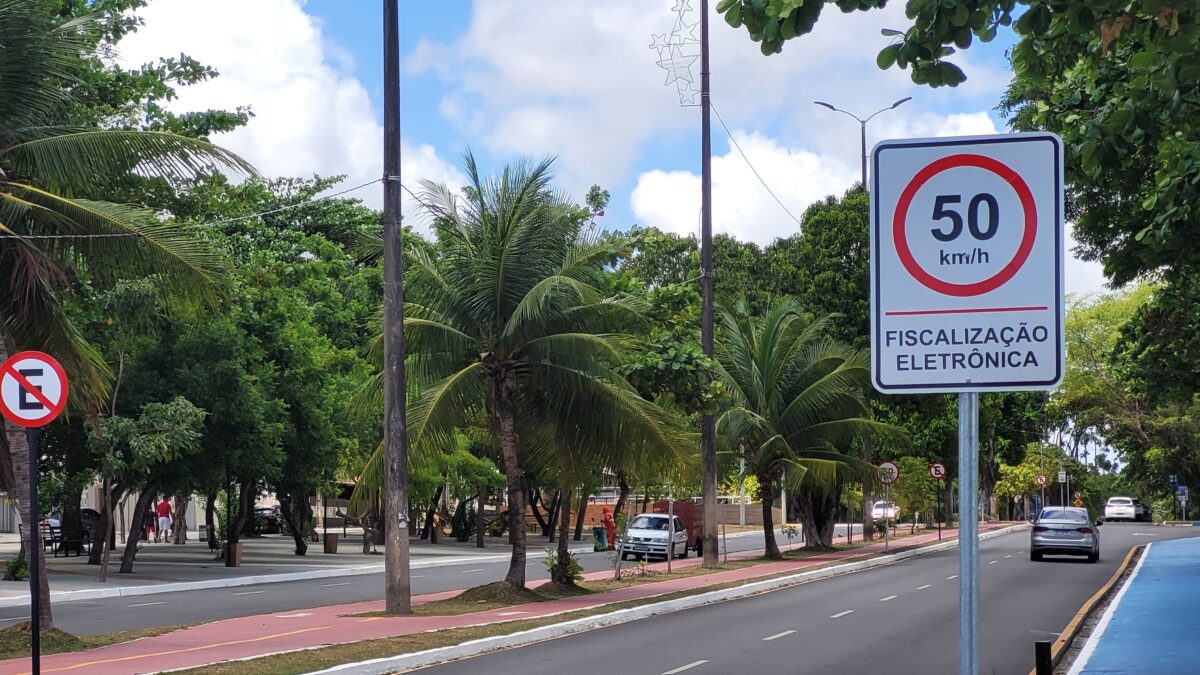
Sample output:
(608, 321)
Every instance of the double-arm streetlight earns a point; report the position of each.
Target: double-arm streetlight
(862, 125)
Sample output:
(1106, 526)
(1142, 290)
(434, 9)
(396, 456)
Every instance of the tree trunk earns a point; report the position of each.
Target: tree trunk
(766, 494)
(623, 496)
(535, 498)
(818, 515)
(561, 574)
(503, 405)
(17, 469)
(135, 529)
(555, 512)
(294, 512)
(646, 500)
(480, 522)
(210, 520)
(179, 519)
(245, 506)
(103, 553)
(427, 530)
(583, 500)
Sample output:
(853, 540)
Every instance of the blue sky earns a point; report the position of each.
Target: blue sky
(570, 78)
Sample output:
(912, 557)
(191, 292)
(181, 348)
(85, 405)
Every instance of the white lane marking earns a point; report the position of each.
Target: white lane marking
(344, 583)
(1008, 556)
(921, 588)
(1089, 647)
(250, 593)
(511, 613)
(149, 604)
(469, 571)
(890, 597)
(841, 614)
(952, 576)
(297, 615)
(778, 635)
(1145, 534)
(15, 618)
(689, 666)
(993, 562)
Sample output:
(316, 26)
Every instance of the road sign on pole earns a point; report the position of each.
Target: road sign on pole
(1183, 491)
(967, 291)
(1172, 481)
(937, 470)
(888, 473)
(33, 391)
(966, 264)
(1062, 476)
(1041, 479)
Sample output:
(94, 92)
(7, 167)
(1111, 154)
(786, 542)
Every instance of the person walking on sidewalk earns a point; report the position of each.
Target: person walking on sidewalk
(164, 520)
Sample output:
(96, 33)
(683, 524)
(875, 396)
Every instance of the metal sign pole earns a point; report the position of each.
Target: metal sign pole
(968, 530)
(887, 497)
(670, 528)
(35, 595)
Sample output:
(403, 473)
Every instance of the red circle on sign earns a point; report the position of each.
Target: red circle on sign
(1009, 270)
(891, 468)
(937, 470)
(54, 408)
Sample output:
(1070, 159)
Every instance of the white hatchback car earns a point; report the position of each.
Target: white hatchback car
(647, 537)
(1120, 508)
(885, 511)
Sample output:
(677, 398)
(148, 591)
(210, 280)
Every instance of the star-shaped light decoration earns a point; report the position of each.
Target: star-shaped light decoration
(677, 54)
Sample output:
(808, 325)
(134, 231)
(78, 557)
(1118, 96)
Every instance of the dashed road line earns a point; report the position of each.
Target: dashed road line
(993, 562)
(148, 604)
(841, 614)
(250, 593)
(470, 571)
(921, 588)
(344, 583)
(778, 635)
(890, 597)
(952, 576)
(689, 666)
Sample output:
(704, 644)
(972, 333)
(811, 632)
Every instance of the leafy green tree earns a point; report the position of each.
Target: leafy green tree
(797, 403)
(508, 331)
(52, 177)
(916, 491)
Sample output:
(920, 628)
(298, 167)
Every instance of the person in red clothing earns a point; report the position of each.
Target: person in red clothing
(611, 526)
(164, 520)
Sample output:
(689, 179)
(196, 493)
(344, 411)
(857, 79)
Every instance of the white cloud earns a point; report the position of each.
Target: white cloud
(742, 206)
(311, 116)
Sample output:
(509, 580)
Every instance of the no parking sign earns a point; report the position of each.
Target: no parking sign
(33, 389)
(966, 264)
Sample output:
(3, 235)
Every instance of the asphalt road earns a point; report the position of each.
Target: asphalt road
(92, 617)
(901, 619)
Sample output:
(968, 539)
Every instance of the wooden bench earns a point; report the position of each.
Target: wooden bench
(53, 541)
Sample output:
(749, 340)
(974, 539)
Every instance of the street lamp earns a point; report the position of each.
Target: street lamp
(862, 124)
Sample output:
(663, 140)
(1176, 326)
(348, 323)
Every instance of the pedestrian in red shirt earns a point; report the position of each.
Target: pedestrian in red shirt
(610, 526)
(164, 520)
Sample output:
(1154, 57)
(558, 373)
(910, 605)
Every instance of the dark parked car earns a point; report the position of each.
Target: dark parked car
(90, 518)
(268, 519)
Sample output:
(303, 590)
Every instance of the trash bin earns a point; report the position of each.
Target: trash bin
(599, 539)
(331, 542)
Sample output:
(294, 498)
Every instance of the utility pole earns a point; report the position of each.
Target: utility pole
(397, 584)
(708, 427)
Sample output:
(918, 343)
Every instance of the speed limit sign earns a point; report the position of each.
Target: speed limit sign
(967, 264)
(888, 473)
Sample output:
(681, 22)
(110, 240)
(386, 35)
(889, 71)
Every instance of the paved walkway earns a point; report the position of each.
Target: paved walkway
(1152, 625)
(252, 636)
(168, 567)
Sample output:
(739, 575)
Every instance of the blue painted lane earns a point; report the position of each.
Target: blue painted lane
(1154, 624)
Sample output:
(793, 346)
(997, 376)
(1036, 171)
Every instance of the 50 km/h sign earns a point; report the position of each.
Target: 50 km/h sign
(888, 473)
(966, 264)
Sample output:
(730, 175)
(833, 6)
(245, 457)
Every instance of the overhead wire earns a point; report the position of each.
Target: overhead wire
(751, 165)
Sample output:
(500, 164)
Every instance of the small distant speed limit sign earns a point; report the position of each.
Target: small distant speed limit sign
(967, 264)
(937, 470)
(888, 473)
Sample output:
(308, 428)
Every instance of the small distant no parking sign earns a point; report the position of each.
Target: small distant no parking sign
(33, 389)
(967, 264)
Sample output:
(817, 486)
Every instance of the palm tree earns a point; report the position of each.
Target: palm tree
(54, 228)
(796, 398)
(508, 330)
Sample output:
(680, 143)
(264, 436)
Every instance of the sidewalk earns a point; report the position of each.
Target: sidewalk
(160, 568)
(1152, 624)
(248, 637)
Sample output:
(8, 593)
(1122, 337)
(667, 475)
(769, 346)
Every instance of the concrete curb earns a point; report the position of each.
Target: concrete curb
(234, 582)
(430, 657)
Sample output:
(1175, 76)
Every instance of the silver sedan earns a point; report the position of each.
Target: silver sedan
(1064, 531)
